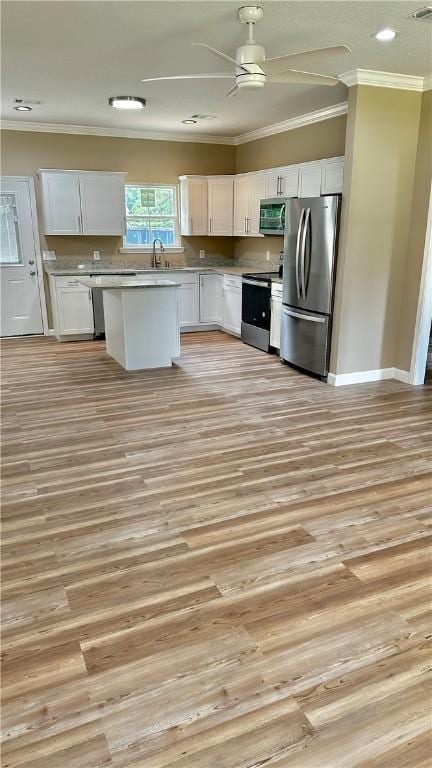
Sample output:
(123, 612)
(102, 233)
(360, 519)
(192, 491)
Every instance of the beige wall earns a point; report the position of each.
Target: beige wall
(24, 152)
(416, 238)
(380, 158)
(311, 142)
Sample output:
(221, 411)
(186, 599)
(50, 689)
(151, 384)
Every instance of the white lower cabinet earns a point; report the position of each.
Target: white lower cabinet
(232, 304)
(188, 297)
(276, 313)
(211, 299)
(72, 307)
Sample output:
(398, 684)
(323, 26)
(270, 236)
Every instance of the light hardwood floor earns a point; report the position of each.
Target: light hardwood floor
(222, 565)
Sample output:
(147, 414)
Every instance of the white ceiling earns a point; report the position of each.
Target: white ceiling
(74, 55)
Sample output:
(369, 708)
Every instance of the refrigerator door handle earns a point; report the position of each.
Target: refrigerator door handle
(310, 318)
(303, 253)
(299, 233)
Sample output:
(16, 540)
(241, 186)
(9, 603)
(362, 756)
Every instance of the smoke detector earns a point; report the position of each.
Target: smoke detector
(423, 14)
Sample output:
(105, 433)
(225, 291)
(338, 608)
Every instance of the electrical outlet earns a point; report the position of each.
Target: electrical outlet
(48, 255)
(202, 254)
(96, 255)
(267, 255)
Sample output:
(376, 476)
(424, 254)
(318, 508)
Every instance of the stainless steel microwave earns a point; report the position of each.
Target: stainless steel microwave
(272, 216)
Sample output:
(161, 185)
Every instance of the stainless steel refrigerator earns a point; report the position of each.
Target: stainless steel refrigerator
(310, 248)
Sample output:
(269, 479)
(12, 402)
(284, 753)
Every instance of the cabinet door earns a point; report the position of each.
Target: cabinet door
(276, 311)
(232, 309)
(220, 205)
(188, 304)
(198, 206)
(61, 203)
(242, 188)
(332, 177)
(310, 181)
(289, 181)
(273, 184)
(75, 310)
(102, 203)
(210, 294)
(258, 189)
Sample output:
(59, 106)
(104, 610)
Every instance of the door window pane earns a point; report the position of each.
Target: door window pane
(10, 247)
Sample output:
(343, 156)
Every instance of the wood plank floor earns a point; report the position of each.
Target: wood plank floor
(221, 565)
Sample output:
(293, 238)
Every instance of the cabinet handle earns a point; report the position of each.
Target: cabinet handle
(191, 225)
(79, 223)
(89, 295)
(210, 224)
(245, 225)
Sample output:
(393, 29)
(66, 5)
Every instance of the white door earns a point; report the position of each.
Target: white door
(21, 311)
(220, 205)
(102, 203)
(61, 203)
(241, 205)
(258, 188)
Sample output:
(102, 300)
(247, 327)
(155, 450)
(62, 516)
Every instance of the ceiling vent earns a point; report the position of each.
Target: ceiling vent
(424, 14)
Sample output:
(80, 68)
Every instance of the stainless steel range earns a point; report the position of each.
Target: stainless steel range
(256, 298)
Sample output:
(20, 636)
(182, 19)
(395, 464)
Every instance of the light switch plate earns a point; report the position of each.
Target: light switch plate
(48, 255)
(96, 255)
(202, 254)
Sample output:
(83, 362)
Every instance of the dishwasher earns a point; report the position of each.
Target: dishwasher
(98, 311)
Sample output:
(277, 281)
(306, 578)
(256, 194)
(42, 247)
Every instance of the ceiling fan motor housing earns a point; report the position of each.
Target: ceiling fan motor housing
(247, 56)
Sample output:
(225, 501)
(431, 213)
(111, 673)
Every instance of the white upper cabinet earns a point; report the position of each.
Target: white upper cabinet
(82, 203)
(282, 182)
(258, 189)
(332, 176)
(61, 203)
(220, 205)
(242, 185)
(102, 203)
(193, 205)
(309, 184)
(249, 190)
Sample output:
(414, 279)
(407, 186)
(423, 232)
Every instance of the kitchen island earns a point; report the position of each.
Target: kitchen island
(141, 320)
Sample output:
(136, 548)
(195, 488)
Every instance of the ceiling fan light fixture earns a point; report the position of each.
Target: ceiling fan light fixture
(189, 121)
(127, 102)
(385, 35)
(23, 108)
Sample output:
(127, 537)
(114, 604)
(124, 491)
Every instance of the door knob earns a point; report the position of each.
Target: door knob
(32, 272)
(31, 261)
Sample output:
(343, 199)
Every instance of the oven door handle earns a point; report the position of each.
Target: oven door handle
(255, 282)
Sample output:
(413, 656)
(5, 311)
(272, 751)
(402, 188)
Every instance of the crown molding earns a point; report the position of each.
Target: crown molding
(88, 130)
(427, 83)
(93, 130)
(294, 122)
(383, 80)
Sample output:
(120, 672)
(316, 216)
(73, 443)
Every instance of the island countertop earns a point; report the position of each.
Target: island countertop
(121, 281)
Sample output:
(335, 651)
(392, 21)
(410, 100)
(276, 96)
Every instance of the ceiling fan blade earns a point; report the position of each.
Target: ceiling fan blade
(220, 55)
(188, 77)
(306, 78)
(282, 63)
(232, 91)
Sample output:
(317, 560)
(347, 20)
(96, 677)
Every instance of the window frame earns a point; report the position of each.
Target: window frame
(177, 246)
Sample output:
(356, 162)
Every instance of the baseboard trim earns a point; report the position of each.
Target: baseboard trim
(362, 377)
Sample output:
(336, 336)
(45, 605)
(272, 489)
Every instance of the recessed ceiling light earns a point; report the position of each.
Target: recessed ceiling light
(385, 35)
(189, 122)
(23, 108)
(127, 102)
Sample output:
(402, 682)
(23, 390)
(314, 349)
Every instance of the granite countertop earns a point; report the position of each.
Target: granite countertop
(91, 269)
(107, 281)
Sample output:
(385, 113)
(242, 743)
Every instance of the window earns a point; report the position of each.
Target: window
(10, 250)
(151, 212)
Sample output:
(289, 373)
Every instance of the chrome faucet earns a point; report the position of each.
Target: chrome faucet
(156, 260)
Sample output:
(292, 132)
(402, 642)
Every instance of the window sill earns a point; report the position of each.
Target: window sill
(143, 249)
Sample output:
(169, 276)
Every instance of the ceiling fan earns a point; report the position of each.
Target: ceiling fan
(253, 70)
